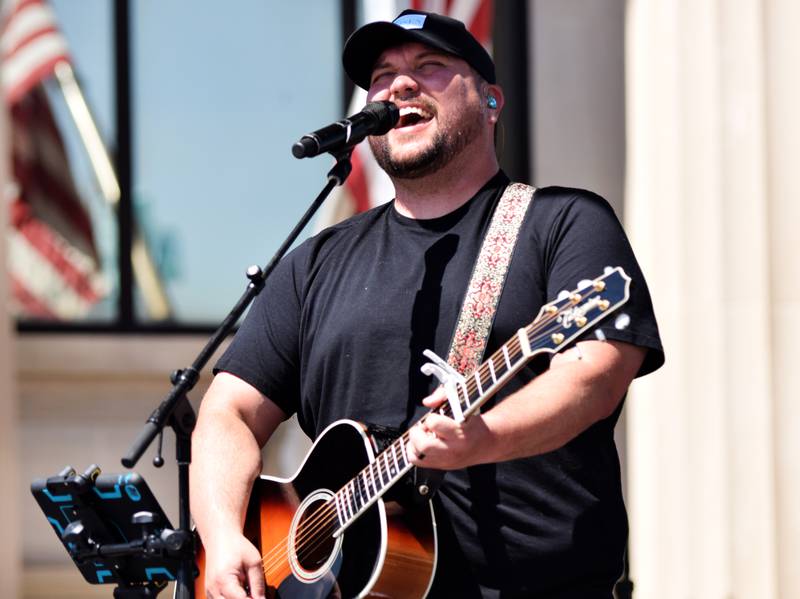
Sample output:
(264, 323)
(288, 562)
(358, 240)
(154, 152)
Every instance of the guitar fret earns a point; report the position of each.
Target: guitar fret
(372, 476)
(362, 494)
(348, 509)
(524, 341)
(339, 514)
(359, 497)
(396, 464)
(465, 391)
(486, 381)
(353, 499)
(490, 362)
(340, 502)
(508, 360)
(477, 376)
(388, 469)
(362, 490)
(403, 449)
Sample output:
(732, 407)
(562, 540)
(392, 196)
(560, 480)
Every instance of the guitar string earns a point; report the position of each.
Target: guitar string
(323, 516)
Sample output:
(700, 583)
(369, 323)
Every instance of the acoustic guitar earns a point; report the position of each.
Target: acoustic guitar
(329, 531)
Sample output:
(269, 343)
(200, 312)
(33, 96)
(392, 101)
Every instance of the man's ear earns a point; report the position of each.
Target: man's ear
(495, 100)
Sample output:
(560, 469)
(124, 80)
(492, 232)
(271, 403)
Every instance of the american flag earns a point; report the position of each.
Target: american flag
(368, 185)
(53, 262)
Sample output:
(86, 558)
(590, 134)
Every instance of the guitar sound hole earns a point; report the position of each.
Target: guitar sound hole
(314, 541)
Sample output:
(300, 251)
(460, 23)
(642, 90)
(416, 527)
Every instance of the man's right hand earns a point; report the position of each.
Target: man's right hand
(234, 569)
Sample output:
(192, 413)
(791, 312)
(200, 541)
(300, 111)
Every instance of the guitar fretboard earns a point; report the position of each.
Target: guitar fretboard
(372, 482)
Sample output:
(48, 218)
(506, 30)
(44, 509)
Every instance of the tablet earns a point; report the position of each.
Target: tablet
(106, 509)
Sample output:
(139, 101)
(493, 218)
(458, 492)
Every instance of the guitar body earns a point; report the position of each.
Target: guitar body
(386, 552)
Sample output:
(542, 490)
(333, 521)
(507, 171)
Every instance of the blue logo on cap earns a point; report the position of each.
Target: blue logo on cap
(410, 21)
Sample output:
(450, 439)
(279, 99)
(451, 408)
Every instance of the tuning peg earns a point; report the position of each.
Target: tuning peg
(622, 321)
(608, 270)
(583, 284)
(601, 336)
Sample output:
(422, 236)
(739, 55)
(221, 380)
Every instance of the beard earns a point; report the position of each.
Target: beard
(449, 141)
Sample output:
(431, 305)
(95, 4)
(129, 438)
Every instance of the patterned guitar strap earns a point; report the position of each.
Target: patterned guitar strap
(488, 279)
(483, 294)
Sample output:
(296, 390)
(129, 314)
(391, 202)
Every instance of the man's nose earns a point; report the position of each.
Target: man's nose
(403, 85)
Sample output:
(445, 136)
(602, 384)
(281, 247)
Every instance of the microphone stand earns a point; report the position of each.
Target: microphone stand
(176, 411)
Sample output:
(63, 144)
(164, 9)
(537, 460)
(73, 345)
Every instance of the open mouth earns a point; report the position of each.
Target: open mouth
(413, 115)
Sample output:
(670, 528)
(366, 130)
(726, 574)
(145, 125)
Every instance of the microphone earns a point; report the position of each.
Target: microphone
(376, 118)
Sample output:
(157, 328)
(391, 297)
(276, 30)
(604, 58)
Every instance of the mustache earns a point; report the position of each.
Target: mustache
(424, 103)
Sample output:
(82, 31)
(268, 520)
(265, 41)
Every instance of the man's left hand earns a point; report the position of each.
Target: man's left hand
(442, 443)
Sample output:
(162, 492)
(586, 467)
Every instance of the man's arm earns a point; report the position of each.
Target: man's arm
(582, 386)
(234, 422)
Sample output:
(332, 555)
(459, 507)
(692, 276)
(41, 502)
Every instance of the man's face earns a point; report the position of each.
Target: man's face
(441, 109)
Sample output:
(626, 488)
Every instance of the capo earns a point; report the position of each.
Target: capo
(449, 377)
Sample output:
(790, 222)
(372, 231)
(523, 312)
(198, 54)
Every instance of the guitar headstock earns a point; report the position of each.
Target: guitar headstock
(575, 312)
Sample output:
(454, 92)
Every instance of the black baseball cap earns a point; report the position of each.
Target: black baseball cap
(366, 44)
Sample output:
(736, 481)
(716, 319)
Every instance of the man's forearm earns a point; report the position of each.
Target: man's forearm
(225, 460)
(234, 422)
(547, 414)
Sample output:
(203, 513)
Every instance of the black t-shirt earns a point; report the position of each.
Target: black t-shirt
(339, 330)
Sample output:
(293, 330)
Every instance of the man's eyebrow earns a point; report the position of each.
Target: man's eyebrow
(385, 64)
(381, 65)
(430, 53)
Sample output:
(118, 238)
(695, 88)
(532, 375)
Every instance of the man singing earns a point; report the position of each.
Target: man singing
(531, 502)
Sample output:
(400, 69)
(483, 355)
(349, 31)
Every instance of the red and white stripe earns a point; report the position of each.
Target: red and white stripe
(368, 185)
(30, 46)
(52, 262)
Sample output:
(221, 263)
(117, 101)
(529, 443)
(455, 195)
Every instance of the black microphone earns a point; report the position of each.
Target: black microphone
(376, 118)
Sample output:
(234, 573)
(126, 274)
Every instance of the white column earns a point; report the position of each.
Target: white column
(782, 48)
(712, 137)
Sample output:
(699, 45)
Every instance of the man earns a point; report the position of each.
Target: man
(531, 505)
